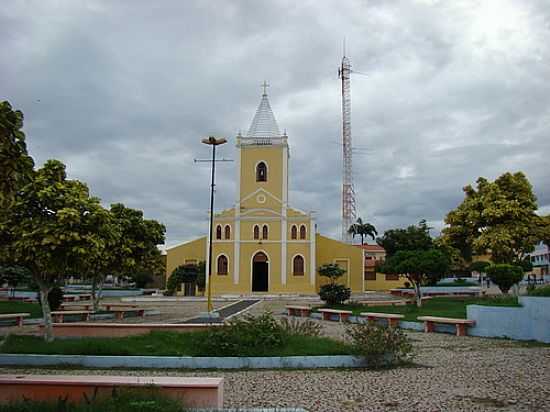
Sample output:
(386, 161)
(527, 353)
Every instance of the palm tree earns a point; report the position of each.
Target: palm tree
(362, 229)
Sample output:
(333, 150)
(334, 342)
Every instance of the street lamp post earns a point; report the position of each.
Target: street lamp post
(212, 141)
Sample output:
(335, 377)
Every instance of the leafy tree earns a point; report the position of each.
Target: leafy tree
(52, 226)
(14, 276)
(497, 217)
(188, 273)
(362, 229)
(16, 165)
(201, 278)
(412, 238)
(504, 275)
(418, 266)
(333, 293)
(141, 278)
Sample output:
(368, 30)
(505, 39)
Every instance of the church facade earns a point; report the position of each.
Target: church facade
(263, 245)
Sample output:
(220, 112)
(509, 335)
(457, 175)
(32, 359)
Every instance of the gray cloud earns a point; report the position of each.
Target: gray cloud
(122, 92)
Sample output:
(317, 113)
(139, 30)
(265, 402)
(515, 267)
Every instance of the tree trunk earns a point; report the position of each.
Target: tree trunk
(46, 312)
(361, 240)
(96, 292)
(418, 294)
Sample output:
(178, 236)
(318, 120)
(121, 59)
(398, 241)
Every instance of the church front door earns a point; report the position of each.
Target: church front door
(260, 273)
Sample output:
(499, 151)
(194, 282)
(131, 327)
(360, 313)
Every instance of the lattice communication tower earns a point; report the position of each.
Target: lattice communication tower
(349, 212)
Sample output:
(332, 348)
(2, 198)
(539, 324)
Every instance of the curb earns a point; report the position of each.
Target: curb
(185, 362)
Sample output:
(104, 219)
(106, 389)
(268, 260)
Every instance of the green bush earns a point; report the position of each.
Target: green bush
(182, 274)
(380, 345)
(246, 333)
(334, 294)
(504, 276)
(55, 298)
(540, 291)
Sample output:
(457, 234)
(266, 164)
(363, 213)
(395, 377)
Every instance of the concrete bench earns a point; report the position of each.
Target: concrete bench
(72, 305)
(119, 312)
(196, 392)
(392, 318)
(294, 310)
(108, 306)
(117, 330)
(461, 324)
(59, 315)
(77, 297)
(89, 305)
(17, 316)
(343, 315)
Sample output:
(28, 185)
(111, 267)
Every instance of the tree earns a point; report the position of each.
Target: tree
(333, 293)
(14, 275)
(418, 266)
(362, 229)
(16, 165)
(411, 238)
(505, 276)
(141, 278)
(52, 226)
(187, 273)
(497, 218)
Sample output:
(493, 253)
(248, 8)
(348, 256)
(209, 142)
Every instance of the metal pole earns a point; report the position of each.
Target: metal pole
(210, 307)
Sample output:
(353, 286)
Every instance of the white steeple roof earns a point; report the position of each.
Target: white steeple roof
(264, 123)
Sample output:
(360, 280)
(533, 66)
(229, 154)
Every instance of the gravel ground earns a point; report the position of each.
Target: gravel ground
(451, 374)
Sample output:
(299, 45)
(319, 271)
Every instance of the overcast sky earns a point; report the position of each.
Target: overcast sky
(123, 91)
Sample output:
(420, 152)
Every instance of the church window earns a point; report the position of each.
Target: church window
(294, 232)
(228, 232)
(302, 232)
(298, 265)
(264, 232)
(256, 232)
(218, 232)
(222, 265)
(261, 172)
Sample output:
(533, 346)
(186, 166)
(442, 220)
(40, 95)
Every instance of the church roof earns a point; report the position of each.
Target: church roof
(264, 123)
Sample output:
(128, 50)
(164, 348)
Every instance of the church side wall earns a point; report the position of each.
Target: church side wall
(334, 251)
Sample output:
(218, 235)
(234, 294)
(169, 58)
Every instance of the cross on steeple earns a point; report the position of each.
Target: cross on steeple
(265, 85)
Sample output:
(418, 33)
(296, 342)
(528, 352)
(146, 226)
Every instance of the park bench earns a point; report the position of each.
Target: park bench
(295, 310)
(89, 305)
(72, 305)
(392, 318)
(59, 315)
(343, 315)
(119, 312)
(461, 324)
(192, 392)
(77, 297)
(108, 306)
(17, 316)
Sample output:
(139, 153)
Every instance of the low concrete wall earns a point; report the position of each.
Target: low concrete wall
(185, 362)
(117, 330)
(531, 321)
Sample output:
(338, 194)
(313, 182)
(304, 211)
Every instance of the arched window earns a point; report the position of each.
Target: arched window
(256, 232)
(218, 232)
(261, 172)
(228, 232)
(298, 266)
(264, 232)
(294, 232)
(222, 265)
(302, 232)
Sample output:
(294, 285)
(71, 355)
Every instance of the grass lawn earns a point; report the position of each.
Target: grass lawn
(165, 344)
(443, 307)
(14, 306)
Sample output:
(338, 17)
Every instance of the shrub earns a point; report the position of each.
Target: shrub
(182, 274)
(380, 345)
(504, 276)
(299, 327)
(55, 298)
(334, 294)
(248, 333)
(407, 285)
(540, 291)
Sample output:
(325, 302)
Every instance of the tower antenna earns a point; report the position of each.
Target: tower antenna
(349, 211)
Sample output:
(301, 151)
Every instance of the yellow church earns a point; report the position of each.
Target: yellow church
(262, 245)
